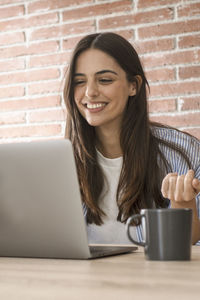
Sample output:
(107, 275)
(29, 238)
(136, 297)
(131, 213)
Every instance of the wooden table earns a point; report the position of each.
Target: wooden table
(123, 277)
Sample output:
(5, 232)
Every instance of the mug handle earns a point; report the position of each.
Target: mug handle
(128, 225)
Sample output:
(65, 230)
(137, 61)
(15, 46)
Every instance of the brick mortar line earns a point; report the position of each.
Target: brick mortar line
(33, 124)
(171, 97)
(30, 110)
(120, 28)
(170, 66)
(189, 127)
(102, 17)
(193, 79)
(27, 97)
(39, 68)
(62, 39)
(61, 10)
(29, 138)
(169, 5)
(22, 83)
(183, 34)
(31, 96)
(78, 6)
(175, 113)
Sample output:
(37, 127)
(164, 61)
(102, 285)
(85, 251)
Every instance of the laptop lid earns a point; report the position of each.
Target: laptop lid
(40, 205)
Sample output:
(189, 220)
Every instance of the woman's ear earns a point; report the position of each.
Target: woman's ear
(138, 82)
(133, 89)
(136, 85)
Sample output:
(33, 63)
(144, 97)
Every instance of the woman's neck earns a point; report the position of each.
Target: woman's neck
(108, 143)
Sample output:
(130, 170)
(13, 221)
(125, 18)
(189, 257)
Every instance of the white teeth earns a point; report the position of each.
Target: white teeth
(97, 105)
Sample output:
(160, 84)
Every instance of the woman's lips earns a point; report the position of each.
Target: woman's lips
(95, 107)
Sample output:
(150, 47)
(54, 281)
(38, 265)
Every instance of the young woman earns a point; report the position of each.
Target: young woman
(124, 161)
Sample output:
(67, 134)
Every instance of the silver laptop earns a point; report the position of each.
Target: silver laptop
(41, 212)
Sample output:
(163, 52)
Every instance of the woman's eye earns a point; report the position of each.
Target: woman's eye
(78, 82)
(105, 80)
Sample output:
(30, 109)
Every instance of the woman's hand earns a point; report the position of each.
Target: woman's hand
(182, 190)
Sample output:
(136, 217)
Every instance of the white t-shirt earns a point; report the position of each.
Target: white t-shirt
(111, 231)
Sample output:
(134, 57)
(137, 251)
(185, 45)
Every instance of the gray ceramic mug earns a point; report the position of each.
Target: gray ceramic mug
(167, 233)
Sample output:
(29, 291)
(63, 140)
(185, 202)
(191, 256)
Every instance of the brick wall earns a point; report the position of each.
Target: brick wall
(36, 39)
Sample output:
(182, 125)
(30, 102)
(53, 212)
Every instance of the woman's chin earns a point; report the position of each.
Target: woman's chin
(94, 123)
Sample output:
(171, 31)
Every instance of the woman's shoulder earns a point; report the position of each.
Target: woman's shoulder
(188, 145)
(186, 142)
(173, 135)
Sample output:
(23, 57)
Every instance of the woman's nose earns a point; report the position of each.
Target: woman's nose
(91, 90)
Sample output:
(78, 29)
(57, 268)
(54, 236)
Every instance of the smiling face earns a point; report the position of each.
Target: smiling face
(101, 89)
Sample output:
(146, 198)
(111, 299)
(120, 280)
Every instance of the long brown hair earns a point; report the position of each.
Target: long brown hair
(138, 185)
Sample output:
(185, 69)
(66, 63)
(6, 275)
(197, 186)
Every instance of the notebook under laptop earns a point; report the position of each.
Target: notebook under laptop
(41, 212)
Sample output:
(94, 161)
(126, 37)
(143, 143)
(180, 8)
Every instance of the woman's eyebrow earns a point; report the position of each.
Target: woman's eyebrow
(97, 73)
(79, 74)
(106, 71)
